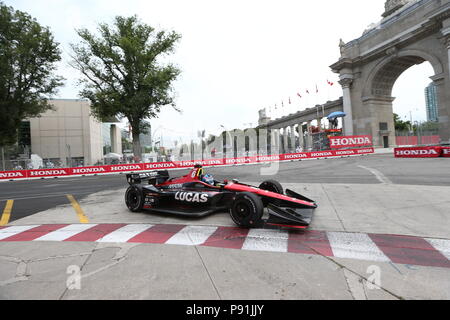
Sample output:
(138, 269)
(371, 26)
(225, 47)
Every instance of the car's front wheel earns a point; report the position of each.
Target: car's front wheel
(247, 210)
(134, 198)
(271, 186)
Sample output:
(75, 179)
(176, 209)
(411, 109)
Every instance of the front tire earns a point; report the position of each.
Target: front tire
(247, 210)
(272, 186)
(134, 198)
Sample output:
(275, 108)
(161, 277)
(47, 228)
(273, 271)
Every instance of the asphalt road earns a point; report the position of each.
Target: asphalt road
(379, 218)
(38, 195)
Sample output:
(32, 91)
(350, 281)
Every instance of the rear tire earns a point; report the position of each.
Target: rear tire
(134, 198)
(247, 210)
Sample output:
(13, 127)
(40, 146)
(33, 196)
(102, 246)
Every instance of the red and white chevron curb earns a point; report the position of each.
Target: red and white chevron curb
(371, 247)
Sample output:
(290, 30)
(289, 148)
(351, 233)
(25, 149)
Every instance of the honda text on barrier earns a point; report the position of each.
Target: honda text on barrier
(199, 195)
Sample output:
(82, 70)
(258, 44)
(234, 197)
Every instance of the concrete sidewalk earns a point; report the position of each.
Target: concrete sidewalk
(43, 270)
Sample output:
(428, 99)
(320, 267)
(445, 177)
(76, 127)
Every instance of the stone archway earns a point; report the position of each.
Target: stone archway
(411, 32)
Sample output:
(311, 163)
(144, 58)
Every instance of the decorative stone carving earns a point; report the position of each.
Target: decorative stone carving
(447, 41)
(346, 83)
(342, 46)
(393, 5)
(392, 51)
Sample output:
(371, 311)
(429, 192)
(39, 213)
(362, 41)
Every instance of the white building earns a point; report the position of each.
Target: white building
(71, 135)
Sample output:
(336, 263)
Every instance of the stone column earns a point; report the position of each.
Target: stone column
(285, 140)
(274, 141)
(446, 38)
(346, 84)
(301, 141)
(309, 136)
(292, 138)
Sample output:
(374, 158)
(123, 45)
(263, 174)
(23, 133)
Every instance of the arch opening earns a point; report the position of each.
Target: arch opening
(398, 91)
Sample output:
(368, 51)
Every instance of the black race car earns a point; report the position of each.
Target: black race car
(191, 196)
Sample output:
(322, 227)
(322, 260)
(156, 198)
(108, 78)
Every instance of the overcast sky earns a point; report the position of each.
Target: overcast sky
(237, 56)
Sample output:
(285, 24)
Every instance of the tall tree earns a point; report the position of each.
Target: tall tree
(28, 56)
(122, 72)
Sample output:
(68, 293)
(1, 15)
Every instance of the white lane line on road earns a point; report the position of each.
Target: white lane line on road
(266, 240)
(357, 246)
(125, 233)
(442, 245)
(12, 231)
(65, 233)
(192, 236)
(381, 177)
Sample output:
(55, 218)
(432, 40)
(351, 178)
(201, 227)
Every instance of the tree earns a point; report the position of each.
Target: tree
(122, 75)
(28, 56)
(401, 125)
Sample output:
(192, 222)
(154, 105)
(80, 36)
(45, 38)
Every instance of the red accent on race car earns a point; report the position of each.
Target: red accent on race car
(310, 242)
(227, 237)
(157, 234)
(95, 233)
(410, 250)
(34, 233)
(243, 188)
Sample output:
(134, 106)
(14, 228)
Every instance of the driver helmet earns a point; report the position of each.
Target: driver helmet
(209, 179)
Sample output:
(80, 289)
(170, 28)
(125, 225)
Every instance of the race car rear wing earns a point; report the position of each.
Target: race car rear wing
(153, 177)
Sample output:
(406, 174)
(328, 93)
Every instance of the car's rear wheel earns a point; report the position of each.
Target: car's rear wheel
(247, 210)
(134, 198)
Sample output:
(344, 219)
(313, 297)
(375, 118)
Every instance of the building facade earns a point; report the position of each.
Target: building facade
(431, 103)
(69, 135)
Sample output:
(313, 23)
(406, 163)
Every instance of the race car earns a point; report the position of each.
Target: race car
(198, 195)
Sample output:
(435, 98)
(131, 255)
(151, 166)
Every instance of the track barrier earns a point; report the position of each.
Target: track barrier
(127, 168)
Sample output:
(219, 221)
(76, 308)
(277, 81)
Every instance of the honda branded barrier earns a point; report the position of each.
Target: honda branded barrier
(350, 141)
(419, 152)
(123, 168)
(446, 152)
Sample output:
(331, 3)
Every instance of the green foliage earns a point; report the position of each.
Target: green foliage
(122, 74)
(28, 56)
(126, 144)
(401, 125)
(429, 126)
